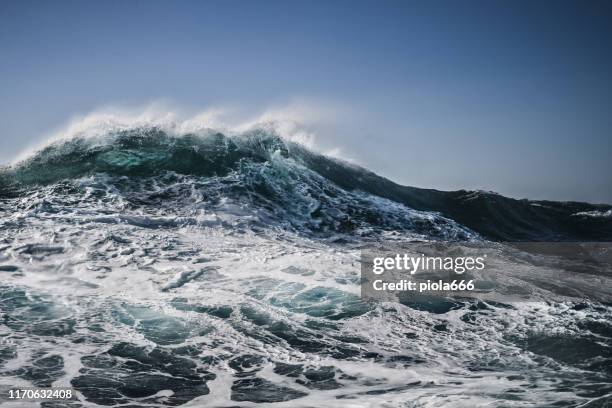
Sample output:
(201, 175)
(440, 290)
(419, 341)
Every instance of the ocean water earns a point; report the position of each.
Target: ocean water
(144, 269)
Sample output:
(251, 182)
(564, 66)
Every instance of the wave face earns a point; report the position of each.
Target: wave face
(258, 176)
(260, 165)
(145, 269)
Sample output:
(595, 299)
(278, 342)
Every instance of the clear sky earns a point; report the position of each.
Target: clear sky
(512, 96)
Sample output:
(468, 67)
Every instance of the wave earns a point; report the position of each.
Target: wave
(141, 266)
(262, 169)
(603, 214)
(257, 180)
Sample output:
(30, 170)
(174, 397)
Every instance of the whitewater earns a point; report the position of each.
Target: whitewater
(149, 267)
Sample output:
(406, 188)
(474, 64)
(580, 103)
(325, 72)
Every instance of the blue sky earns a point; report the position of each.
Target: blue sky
(514, 96)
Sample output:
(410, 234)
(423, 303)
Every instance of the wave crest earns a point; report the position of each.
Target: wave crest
(146, 152)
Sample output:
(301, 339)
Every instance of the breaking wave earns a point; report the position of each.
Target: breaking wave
(256, 177)
(148, 268)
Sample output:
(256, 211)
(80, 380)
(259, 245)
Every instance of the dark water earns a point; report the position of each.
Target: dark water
(143, 269)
